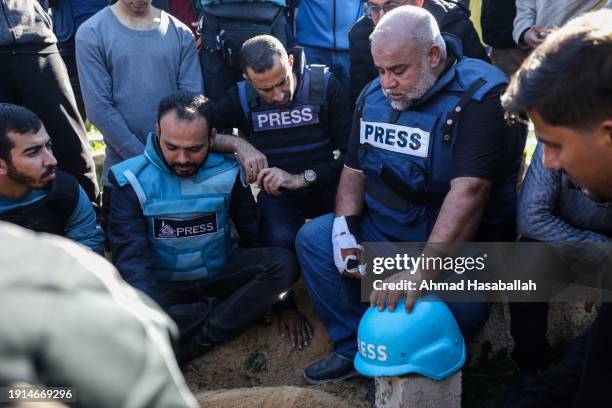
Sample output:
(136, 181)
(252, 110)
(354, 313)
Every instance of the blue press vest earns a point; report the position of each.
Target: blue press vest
(188, 219)
(407, 156)
(295, 137)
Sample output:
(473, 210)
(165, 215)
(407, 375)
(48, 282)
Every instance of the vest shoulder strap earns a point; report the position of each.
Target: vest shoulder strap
(453, 116)
(317, 84)
(63, 194)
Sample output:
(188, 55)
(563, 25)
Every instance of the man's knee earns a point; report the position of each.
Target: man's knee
(312, 234)
(282, 265)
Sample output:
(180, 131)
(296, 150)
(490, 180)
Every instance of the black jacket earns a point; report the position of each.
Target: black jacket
(497, 21)
(452, 18)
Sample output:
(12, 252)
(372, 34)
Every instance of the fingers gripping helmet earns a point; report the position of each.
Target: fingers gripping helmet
(426, 341)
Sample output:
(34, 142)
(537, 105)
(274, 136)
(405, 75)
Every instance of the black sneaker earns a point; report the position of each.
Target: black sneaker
(331, 369)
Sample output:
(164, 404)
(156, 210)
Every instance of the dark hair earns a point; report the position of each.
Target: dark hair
(16, 119)
(187, 106)
(258, 53)
(568, 78)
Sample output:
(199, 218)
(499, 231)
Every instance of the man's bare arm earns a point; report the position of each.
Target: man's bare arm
(252, 159)
(351, 190)
(462, 210)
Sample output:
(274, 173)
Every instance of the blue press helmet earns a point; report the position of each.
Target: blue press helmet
(426, 341)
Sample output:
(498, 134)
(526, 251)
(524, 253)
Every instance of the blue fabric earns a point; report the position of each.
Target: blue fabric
(326, 23)
(188, 218)
(414, 150)
(337, 299)
(337, 61)
(284, 215)
(70, 14)
(80, 226)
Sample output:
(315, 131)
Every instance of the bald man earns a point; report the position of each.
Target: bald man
(452, 18)
(430, 159)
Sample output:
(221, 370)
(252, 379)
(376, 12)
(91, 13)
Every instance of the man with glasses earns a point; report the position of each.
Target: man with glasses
(451, 17)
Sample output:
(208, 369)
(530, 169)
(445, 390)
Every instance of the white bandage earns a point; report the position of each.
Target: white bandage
(343, 239)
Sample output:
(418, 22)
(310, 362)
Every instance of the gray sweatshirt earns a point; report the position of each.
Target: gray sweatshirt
(549, 13)
(124, 73)
(25, 22)
(551, 208)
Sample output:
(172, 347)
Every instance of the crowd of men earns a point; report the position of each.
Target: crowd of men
(251, 143)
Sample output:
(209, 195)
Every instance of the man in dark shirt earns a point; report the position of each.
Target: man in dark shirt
(452, 18)
(171, 232)
(296, 115)
(430, 159)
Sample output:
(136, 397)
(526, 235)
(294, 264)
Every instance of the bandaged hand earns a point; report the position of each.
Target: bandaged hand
(348, 253)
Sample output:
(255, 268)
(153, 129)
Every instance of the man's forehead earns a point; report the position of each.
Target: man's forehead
(22, 140)
(393, 52)
(271, 77)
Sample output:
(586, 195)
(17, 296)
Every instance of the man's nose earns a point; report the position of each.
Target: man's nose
(279, 95)
(49, 159)
(387, 81)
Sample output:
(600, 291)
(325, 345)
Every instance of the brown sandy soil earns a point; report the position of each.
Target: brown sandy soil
(260, 358)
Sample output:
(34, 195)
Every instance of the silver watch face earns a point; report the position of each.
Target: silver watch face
(310, 176)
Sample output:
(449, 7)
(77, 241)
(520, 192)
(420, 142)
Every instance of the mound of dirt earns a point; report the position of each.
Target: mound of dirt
(269, 397)
(260, 358)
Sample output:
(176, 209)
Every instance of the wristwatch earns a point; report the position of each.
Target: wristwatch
(310, 176)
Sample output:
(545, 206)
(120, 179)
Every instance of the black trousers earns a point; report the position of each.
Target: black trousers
(69, 56)
(40, 83)
(584, 377)
(219, 308)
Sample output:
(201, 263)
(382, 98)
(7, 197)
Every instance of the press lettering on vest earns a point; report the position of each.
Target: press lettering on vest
(294, 116)
(173, 228)
(395, 138)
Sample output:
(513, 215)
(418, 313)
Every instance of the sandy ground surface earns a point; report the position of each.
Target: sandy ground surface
(260, 358)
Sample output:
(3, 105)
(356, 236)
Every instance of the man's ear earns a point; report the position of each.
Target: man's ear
(434, 56)
(157, 129)
(419, 3)
(3, 167)
(212, 137)
(606, 130)
(290, 60)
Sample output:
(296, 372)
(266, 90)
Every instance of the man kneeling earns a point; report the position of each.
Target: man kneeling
(171, 235)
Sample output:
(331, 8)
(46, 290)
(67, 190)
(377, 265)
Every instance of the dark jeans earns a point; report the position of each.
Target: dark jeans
(284, 215)
(584, 377)
(40, 83)
(219, 308)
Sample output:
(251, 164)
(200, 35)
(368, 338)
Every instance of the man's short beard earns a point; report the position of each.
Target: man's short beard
(424, 84)
(18, 177)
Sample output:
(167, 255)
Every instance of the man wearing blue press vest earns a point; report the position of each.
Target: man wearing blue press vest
(171, 232)
(295, 116)
(430, 159)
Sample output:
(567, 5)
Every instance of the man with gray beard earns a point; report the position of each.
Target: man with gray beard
(430, 159)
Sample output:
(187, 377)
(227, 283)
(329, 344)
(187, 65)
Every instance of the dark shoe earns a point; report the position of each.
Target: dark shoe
(522, 380)
(331, 369)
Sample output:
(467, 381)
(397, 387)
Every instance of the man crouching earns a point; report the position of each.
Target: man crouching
(171, 235)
